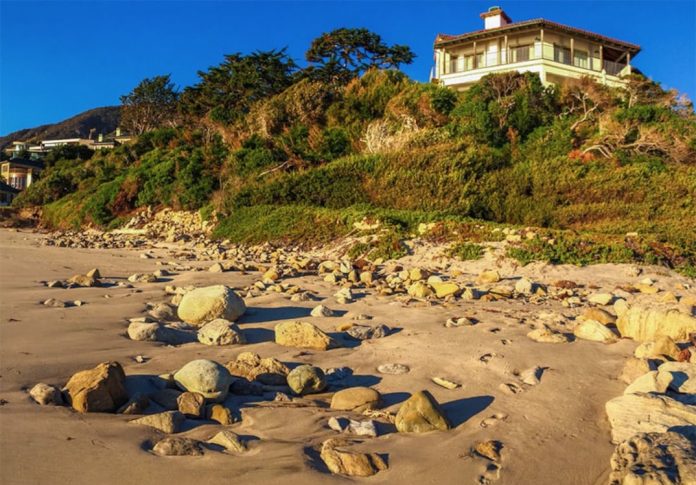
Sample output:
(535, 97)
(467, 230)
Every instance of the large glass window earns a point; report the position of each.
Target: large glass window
(520, 53)
(581, 59)
(561, 54)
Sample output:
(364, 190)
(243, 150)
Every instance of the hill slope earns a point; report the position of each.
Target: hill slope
(103, 120)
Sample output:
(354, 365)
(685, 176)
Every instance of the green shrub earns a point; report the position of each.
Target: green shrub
(466, 251)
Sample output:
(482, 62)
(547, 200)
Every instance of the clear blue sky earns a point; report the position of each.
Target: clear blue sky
(60, 58)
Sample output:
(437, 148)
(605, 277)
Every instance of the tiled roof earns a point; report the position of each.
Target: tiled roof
(446, 39)
(26, 162)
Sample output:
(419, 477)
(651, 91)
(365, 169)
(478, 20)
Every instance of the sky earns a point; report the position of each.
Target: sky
(59, 58)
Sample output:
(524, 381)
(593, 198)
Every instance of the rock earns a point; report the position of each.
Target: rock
(271, 275)
(595, 331)
(654, 458)
(228, 440)
(177, 446)
(45, 394)
(143, 331)
(166, 398)
(356, 399)
(680, 375)
(489, 276)
(546, 335)
(267, 371)
(601, 298)
(598, 315)
(209, 303)
(646, 413)
(303, 335)
(393, 369)
(440, 381)
(83, 280)
(362, 428)
(137, 404)
(220, 332)
(444, 289)
(648, 323)
(321, 311)
(349, 463)
(306, 379)
(421, 413)
(660, 348)
(459, 322)
(650, 382)
(366, 332)
(220, 414)
(419, 289)
(216, 268)
(524, 286)
(167, 422)
(163, 312)
(488, 449)
(93, 273)
(646, 289)
(101, 389)
(142, 278)
(206, 377)
(55, 303)
(634, 368)
(55, 284)
(191, 404)
(532, 376)
(620, 306)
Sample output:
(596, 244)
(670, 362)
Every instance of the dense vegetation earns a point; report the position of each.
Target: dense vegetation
(279, 152)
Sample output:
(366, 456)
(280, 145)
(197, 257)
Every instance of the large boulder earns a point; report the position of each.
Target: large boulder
(681, 376)
(660, 348)
(654, 458)
(356, 399)
(595, 331)
(177, 446)
(306, 379)
(303, 335)
(166, 422)
(648, 323)
(421, 413)
(220, 332)
(101, 389)
(647, 413)
(45, 394)
(205, 377)
(350, 463)
(252, 367)
(203, 305)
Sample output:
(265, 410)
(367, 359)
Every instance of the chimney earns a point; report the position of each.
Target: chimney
(494, 18)
(118, 131)
(101, 137)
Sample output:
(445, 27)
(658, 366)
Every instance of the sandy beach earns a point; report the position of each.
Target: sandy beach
(554, 432)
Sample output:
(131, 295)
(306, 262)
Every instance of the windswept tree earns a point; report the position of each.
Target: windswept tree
(226, 92)
(151, 104)
(342, 54)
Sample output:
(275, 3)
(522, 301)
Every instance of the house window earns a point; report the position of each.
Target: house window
(520, 53)
(581, 59)
(561, 54)
(480, 60)
(468, 63)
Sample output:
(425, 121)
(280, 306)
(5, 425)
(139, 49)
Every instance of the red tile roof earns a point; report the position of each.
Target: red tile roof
(446, 39)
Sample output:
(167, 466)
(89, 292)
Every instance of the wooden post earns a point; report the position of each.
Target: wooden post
(601, 57)
(505, 48)
(572, 51)
(628, 62)
(475, 57)
(541, 36)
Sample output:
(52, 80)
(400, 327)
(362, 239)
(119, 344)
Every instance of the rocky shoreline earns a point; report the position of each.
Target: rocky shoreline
(652, 424)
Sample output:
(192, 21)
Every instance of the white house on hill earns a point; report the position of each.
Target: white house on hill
(554, 51)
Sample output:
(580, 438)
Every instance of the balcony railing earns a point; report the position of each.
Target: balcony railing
(516, 55)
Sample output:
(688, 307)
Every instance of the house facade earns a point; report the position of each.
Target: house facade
(555, 51)
(19, 173)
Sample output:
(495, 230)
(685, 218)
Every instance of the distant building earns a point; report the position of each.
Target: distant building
(43, 147)
(19, 173)
(7, 194)
(554, 51)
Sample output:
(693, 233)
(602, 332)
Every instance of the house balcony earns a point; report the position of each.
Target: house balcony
(550, 61)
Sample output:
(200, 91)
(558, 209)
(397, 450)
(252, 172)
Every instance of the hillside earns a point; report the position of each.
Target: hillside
(584, 163)
(103, 120)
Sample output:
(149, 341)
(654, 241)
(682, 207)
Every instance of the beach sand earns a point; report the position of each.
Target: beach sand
(555, 432)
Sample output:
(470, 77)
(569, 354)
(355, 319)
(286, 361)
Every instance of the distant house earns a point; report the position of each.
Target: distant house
(7, 194)
(19, 173)
(556, 52)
